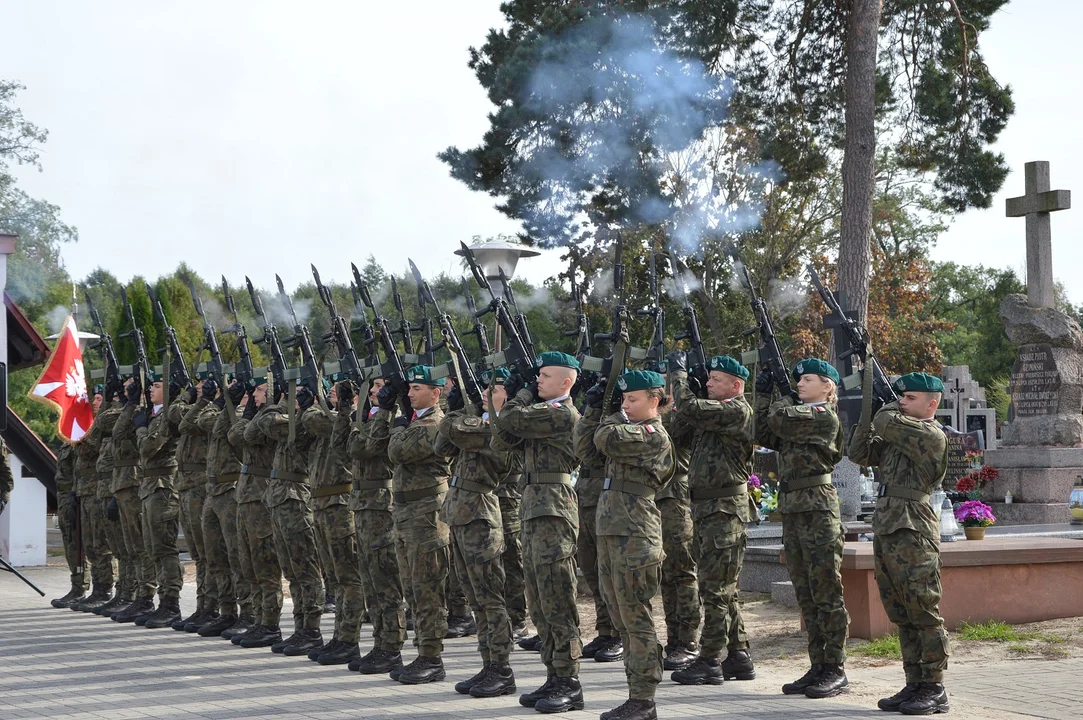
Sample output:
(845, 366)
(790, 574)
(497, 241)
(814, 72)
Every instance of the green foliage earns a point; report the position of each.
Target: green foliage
(884, 647)
(996, 631)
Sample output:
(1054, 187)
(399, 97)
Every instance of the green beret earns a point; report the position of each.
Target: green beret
(919, 382)
(816, 366)
(557, 359)
(99, 389)
(640, 380)
(256, 382)
(501, 372)
(422, 374)
(726, 364)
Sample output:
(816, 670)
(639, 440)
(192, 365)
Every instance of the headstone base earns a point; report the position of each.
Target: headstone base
(847, 481)
(1030, 513)
(1040, 480)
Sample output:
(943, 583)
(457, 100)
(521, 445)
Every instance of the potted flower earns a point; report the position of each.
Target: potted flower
(975, 516)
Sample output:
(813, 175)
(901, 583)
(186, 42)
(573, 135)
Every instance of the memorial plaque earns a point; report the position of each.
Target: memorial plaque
(1035, 382)
(959, 444)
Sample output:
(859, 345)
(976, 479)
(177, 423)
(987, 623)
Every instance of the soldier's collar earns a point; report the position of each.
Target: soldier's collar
(560, 399)
(816, 404)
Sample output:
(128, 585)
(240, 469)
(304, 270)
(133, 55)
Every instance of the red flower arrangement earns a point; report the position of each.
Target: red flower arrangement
(973, 483)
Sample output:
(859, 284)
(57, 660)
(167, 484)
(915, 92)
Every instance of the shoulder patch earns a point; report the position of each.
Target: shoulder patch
(540, 406)
(650, 429)
(820, 408)
(472, 421)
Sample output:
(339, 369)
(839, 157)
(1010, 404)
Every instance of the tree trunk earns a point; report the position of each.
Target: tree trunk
(859, 153)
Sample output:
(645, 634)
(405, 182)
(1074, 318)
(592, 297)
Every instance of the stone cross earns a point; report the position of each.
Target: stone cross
(1035, 206)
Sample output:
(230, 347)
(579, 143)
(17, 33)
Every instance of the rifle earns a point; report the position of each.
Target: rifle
(243, 371)
(613, 366)
(857, 336)
(392, 368)
(340, 334)
(656, 353)
(178, 370)
(520, 318)
(310, 369)
(404, 324)
(142, 363)
(582, 329)
(479, 330)
(360, 322)
(105, 342)
(425, 326)
(277, 367)
(215, 367)
(517, 353)
(697, 359)
(464, 372)
(769, 353)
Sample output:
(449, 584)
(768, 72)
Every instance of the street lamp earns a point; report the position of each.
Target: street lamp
(496, 256)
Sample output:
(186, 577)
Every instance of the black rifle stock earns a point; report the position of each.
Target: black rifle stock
(656, 353)
(243, 370)
(310, 368)
(105, 343)
(618, 335)
(392, 367)
(339, 334)
(215, 367)
(697, 358)
(142, 362)
(178, 369)
(269, 340)
(769, 351)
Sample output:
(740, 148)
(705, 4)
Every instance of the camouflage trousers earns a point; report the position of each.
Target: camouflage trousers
(295, 542)
(680, 587)
(477, 549)
(720, 541)
(191, 520)
(131, 525)
(380, 573)
(586, 556)
(630, 571)
(221, 554)
(114, 540)
(337, 545)
(66, 512)
(422, 543)
(161, 513)
(907, 570)
(92, 525)
(512, 560)
(549, 567)
(457, 604)
(259, 562)
(813, 542)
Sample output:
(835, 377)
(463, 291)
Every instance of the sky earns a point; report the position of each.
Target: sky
(255, 137)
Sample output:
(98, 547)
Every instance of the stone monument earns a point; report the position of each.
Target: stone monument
(1041, 451)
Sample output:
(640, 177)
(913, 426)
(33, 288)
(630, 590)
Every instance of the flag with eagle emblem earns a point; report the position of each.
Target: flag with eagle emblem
(62, 385)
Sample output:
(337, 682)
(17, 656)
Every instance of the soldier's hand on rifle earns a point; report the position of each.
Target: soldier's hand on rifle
(174, 390)
(387, 396)
(533, 388)
(112, 510)
(514, 383)
(765, 382)
(344, 391)
(236, 391)
(595, 396)
(678, 360)
(455, 399)
(616, 402)
(210, 389)
(193, 393)
(141, 419)
(695, 386)
(134, 391)
(305, 397)
(250, 408)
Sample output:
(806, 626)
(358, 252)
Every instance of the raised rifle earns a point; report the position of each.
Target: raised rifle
(479, 330)
(142, 362)
(697, 359)
(392, 368)
(656, 353)
(520, 318)
(360, 323)
(243, 370)
(464, 371)
(310, 368)
(178, 369)
(105, 344)
(857, 337)
(339, 334)
(517, 354)
(404, 329)
(215, 367)
(270, 341)
(425, 326)
(586, 378)
(769, 352)
(613, 366)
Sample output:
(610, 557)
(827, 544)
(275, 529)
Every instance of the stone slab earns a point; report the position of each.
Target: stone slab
(1031, 513)
(1035, 457)
(784, 594)
(1034, 485)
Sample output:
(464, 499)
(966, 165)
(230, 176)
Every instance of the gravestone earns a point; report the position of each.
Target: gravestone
(1041, 446)
(964, 406)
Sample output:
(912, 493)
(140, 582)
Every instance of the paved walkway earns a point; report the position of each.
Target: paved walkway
(57, 663)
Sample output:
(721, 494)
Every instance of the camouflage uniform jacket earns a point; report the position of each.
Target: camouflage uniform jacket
(257, 452)
(86, 460)
(722, 450)
(468, 437)
(682, 435)
(911, 454)
(416, 465)
(327, 461)
(223, 460)
(127, 470)
(105, 421)
(65, 468)
(588, 486)
(158, 449)
(371, 466)
(639, 455)
(192, 449)
(809, 442)
(511, 487)
(290, 464)
(546, 431)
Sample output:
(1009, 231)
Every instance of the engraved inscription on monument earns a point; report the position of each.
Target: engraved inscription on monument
(1035, 381)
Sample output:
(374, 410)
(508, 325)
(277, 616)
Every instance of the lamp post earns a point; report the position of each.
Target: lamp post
(493, 257)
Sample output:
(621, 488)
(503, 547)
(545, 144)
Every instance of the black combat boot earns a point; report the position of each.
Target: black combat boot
(74, 595)
(592, 647)
(680, 656)
(310, 639)
(500, 680)
(463, 687)
(423, 670)
(798, 686)
(279, 646)
(113, 612)
(893, 703)
(460, 626)
(612, 650)
(261, 636)
(217, 626)
(381, 662)
(193, 626)
(168, 612)
(633, 710)
(342, 654)
(518, 631)
(357, 662)
(179, 625)
(531, 698)
(244, 624)
(566, 694)
(704, 671)
(832, 682)
(93, 601)
(142, 619)
(138, 607)
(928, 699)
(112, 606)
(532, 643)
(738, 666)
(314, 653)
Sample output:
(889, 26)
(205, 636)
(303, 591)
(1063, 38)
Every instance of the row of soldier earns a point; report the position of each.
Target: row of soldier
(632, 489)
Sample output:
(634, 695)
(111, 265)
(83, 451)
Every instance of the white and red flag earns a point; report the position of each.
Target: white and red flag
(62, 385)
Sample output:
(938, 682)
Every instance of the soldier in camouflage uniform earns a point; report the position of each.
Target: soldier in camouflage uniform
(539, 421)
(92, 519)
(680, 584)
(420, 483)
(807, 434)
(113, 532)
(221, 532)
(127, 478)
(371, 504)
(289, 499)
(157, 433)
(911, 451)
(718, 474)
(66, 513)
(473, 511)
(192, 486)
(510, 498)
(259, 560)
(332, 482)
